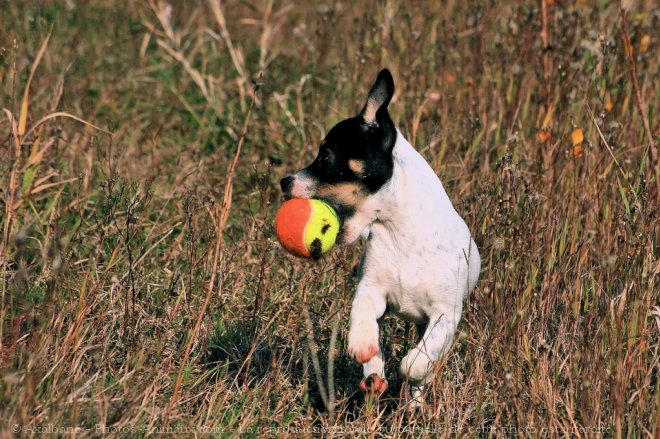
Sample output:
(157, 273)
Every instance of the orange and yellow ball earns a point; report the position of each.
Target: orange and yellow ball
(307, 228)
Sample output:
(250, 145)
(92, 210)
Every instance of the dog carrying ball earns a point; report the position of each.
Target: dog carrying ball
(306, 228)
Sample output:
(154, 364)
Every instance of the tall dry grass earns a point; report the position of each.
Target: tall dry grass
(143, 292)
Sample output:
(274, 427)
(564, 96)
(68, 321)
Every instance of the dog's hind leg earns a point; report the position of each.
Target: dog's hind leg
(417, 365)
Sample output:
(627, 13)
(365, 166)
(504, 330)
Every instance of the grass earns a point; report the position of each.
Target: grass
(136, 260)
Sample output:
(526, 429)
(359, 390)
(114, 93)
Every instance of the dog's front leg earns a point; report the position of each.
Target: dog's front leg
(368, 307)
(374, 371)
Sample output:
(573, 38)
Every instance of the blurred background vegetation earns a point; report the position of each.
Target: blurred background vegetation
(128, 305)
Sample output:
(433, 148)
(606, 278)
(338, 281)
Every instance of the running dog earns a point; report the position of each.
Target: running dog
(420, 261)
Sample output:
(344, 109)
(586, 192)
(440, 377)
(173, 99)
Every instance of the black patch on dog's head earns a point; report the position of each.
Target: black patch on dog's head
(355, 158)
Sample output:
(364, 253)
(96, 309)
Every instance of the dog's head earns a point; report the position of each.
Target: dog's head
(355, 158)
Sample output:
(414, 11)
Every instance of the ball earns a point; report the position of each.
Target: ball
(306, 228)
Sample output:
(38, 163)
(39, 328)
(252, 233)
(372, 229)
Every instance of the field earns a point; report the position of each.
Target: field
(141, 146)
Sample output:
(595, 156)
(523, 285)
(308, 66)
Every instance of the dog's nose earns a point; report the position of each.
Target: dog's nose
(286, 184)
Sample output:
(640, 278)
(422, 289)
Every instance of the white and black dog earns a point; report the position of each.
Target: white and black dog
(420, 260)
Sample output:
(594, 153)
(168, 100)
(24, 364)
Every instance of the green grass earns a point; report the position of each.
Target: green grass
(105, 272)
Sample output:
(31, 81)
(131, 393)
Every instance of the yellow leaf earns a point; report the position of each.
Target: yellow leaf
(608, 102)
(577, 136)
(22, 119)
(644, 43)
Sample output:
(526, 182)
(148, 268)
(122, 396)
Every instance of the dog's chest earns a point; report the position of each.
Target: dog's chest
(418, 244)
(408, 270)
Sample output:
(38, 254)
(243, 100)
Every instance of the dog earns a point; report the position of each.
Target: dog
(420, 260)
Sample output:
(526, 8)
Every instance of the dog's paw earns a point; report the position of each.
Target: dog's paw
(363, 355)
(416, 402)
(416, 367)
(373, 384)
(363, 341)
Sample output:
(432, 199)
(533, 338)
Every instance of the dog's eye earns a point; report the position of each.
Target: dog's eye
(326, 157)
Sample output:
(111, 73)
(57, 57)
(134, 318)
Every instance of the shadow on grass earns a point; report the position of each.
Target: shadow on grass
(236, 356)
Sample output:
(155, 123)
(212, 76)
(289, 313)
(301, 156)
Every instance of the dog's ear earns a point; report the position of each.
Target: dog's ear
(379, 97)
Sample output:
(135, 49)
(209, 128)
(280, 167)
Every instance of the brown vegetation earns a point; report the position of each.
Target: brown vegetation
(142, 287)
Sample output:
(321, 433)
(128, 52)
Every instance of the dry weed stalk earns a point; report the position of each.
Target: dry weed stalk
(17, 133)
(20, 131)
(652, 150)
(332, 353)
(236, 54)
(220, 216)
(545, 50)
(172, 46)
(624, 175)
